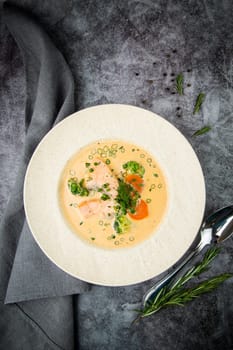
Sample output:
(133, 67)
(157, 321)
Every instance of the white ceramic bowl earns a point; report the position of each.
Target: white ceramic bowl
(186, 191)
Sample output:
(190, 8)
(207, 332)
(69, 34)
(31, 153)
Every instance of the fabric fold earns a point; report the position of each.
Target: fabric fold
(25, 272)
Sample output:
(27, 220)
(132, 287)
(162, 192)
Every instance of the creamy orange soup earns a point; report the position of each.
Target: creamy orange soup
(113, 194)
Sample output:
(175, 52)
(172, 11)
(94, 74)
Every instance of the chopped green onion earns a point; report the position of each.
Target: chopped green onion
(105, 196)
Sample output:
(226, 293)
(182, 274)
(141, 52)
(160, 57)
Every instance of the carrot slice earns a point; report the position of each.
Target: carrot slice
(135, 181)
(141, 211)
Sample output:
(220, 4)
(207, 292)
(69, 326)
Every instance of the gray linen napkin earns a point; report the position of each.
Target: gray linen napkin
(25, 272)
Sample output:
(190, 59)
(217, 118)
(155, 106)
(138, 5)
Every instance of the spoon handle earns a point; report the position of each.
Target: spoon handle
(151, 293)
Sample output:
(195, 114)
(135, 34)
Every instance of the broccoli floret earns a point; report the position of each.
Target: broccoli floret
(77, 187)
(121, 224)
(133, 167)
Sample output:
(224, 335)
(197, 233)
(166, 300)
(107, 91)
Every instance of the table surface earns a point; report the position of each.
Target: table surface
(131, 52)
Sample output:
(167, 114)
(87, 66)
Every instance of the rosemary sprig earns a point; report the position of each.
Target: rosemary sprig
(181, 296)
(198, 103)
(202, 131)
(175, 295)
(179, 84)
(199, 268)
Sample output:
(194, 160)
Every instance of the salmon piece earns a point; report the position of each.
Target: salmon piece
(89, 207)
(96, 206)
(100, 176)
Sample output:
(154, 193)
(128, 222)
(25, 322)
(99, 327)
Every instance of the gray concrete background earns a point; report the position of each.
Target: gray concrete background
(130, 52)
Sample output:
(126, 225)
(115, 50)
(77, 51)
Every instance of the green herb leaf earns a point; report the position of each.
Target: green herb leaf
(202, 131)
(179, 84)
(198, 103)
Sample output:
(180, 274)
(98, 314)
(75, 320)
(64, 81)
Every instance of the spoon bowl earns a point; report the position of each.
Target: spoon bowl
(221, 223)
(215, 229)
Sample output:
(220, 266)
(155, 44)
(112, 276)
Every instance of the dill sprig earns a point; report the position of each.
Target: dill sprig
(175, 295)
(202, 131)
(198, 103)
(179, 84)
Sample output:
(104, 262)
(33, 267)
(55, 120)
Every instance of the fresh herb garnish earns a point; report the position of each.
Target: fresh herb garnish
(126, 198)
(91, 170)
(77, 188)
(175, 295)
(108, 161)
(179, 84)
(198, 103)
(202, 131)
(87, 164)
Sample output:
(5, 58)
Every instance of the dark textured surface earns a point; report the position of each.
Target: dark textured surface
(129, 52)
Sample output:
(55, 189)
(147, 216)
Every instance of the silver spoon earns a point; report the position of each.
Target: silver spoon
(215, 229)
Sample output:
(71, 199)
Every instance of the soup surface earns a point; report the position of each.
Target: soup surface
(113, 194)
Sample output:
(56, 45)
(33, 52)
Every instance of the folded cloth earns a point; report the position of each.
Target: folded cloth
(25, 272)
